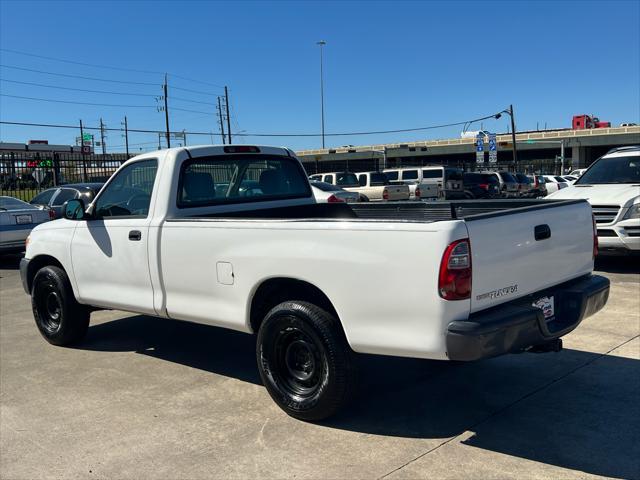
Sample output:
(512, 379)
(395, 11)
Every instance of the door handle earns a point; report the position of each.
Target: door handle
(135, 235)
(542, 232)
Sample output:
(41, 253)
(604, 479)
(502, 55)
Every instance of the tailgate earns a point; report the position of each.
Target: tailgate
(507, 260)
(398, 192)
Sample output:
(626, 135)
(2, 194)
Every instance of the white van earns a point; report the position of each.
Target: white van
(447, 180)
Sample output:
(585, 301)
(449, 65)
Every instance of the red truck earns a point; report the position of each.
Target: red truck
(582, 122)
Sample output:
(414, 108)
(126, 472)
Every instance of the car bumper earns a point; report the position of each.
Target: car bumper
(24, 269)
(622, 238)
(517, 325)
(12, 246)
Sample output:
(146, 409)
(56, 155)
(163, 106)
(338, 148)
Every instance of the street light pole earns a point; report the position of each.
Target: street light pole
(321, 43)
(513, 136)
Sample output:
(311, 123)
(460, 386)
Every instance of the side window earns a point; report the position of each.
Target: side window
(237, 179)
(64, 195)
(392, 176)
(433, 173)
(44, 197)
(129, 193)
(362, 179)
(410, 175)
(328, 179)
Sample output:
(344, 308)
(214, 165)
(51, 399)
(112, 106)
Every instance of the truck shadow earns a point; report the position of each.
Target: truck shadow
(526, 406)
(621, 264)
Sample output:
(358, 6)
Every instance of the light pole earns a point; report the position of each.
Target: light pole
(509, 111)
(321, 43)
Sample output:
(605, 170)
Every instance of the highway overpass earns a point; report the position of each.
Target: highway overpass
(537, 151)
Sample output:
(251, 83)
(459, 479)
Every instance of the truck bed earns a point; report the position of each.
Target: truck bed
(423, 212)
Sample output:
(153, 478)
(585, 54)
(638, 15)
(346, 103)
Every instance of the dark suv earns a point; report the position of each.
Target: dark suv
(481, 185)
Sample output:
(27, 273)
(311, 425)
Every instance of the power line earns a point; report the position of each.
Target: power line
(76, 103)
(193, 91)
(191, 101)
(190, 111)
(80, 89)
(246, 134)
(110, 67)
(78, 76)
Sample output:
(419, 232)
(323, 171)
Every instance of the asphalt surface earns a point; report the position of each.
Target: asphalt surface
(148, 398)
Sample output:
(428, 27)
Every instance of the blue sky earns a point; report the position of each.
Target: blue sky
(388, 65)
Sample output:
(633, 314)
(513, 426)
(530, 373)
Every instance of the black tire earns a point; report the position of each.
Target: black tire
(59, 317)
(364, 198)
(305, 361)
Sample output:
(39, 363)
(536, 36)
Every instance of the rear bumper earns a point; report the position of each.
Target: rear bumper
(515, 326)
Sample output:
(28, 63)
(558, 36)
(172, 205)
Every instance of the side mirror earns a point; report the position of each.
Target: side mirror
(74, 209)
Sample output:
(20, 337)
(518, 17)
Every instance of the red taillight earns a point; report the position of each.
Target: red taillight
(334, 199)
(418, 192)
(595, 237)
(52, 214)
(454, 281)
(241, 149)
(385, 194)
(484, 186)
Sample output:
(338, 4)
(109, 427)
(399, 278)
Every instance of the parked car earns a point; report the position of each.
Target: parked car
(306, 276)
(508, 183)
(569, 178)
(481, 185)
(376, 187)
(538, 186)
(612, 187)
(525, 186)
(447, 180)
(555, 183)
(17, 219)
(578, 172)
(55, 197)
(327, 193)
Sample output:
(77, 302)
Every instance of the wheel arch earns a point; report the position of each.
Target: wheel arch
(38, 262)
(273, 291)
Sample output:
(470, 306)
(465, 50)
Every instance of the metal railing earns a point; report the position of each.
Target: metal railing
(25, 175)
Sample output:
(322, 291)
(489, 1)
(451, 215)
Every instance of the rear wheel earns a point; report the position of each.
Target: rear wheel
(59, 317)
(305, 361)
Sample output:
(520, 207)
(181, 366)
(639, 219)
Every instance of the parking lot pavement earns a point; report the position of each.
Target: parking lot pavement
(155, 398)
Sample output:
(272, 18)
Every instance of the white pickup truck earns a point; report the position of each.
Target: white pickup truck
(174, 234)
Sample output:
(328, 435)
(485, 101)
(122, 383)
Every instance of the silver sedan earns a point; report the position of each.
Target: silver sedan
(17, 219)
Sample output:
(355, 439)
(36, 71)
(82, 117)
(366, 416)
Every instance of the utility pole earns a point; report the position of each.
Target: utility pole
(226, 101)
(513, 137)
(104, 150)
(126, 135)
(166, 111)
(322, 43)
(84, 164)
(221, 122)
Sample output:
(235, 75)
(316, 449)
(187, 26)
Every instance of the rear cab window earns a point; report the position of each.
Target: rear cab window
(347, 179)
(223, 180)
(378, 179)
(392, 176)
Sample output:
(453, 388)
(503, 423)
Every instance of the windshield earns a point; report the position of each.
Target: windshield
(612, 170)
(10, 203)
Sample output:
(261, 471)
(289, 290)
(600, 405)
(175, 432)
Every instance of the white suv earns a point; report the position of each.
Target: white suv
(612, 187)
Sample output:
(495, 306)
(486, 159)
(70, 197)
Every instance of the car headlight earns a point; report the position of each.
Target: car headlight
(633, 212)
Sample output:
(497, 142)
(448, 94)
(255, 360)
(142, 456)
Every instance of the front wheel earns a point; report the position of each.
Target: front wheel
(59, 317)
(305, 361)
